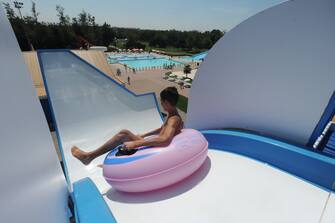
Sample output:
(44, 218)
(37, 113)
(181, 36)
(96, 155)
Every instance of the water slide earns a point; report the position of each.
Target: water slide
(94, 57)
(246, 177)
(89, 107)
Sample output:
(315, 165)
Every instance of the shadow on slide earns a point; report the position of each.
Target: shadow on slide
(165, 193)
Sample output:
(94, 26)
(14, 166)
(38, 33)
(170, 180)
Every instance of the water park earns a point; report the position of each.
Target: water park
(139, 62)
(255, 144)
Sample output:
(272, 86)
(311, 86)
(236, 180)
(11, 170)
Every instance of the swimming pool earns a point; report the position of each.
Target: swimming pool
(142, 63)
(115, 58)
(196, 57)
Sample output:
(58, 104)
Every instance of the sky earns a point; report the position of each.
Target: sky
(199, 15)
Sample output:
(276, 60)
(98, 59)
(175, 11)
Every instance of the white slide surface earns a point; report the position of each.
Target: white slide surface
(228, 188)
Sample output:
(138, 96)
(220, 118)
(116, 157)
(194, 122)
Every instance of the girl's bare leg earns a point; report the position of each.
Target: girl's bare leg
(87, 157)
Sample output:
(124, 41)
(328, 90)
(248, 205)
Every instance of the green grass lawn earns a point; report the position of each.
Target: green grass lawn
(182, 103)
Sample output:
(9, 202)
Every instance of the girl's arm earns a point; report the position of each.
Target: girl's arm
(161, 140)
(153, 132)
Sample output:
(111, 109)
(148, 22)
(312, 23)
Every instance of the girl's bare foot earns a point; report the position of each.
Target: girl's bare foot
(81, 155)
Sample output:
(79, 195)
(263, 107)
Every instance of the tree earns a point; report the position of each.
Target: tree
(107, 34)
(83, 30)
(216, 35)
(9, 11)
(132, 42)
(85, 26)
(34, 13)
(64, 20)
(83, 18)
(158, 39)
(187, 69)
(91, 20)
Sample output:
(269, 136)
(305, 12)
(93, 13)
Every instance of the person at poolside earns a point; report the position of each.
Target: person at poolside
(128, 80)
(161, 136)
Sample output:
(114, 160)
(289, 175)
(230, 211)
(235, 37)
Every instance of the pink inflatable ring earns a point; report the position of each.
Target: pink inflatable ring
(151, 168)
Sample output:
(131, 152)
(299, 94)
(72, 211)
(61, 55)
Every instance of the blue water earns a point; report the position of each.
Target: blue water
(140, 61)
(116, 58)
(196, 57)
(149, 62)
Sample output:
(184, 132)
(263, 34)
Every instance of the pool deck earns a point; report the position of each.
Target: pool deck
(148, 81)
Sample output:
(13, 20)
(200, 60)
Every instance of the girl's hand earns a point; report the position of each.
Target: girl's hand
(130, 145)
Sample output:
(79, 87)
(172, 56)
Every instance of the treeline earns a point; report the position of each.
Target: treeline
(82, 31)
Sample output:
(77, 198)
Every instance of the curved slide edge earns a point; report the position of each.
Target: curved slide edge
(90, 207)
(298, 161)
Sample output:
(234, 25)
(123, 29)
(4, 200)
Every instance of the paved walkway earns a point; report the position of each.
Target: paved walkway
(148, 81)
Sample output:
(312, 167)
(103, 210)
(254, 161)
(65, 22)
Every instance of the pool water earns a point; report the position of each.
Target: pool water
(116, 58)
(197, 57)
(149, 63)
